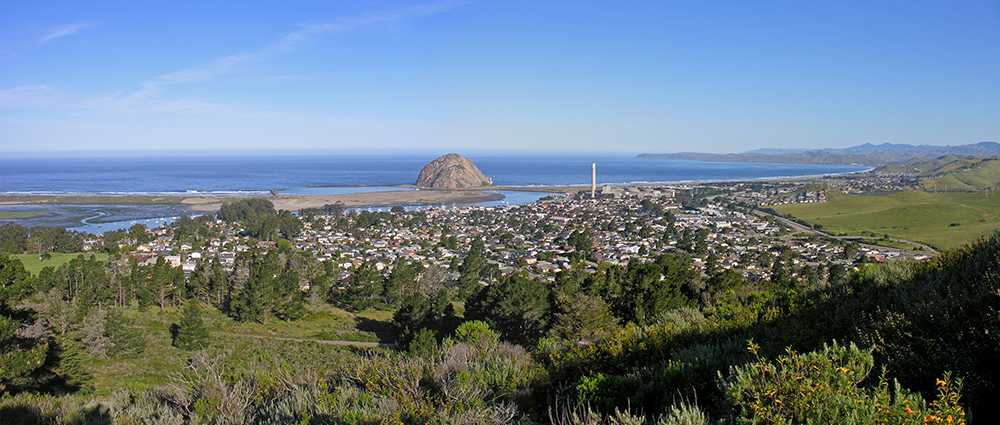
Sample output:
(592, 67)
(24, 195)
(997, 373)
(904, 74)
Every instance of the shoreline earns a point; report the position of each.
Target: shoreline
(406, 196)
(359, 200)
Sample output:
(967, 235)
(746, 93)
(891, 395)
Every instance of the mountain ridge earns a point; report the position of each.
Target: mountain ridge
(865, 154)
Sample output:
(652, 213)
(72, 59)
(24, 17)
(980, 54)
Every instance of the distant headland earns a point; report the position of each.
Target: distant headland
(866, 154)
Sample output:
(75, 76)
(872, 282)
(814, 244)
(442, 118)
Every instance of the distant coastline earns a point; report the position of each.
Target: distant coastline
(867, 154)
(154, 191)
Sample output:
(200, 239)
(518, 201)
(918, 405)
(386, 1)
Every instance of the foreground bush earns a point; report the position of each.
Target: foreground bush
(472, 379)
(826, 387)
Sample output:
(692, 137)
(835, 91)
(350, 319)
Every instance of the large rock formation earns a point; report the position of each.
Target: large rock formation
(452, 171)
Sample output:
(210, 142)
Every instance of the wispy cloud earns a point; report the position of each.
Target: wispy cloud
(61, 31)
(227, 64)
(20, 96)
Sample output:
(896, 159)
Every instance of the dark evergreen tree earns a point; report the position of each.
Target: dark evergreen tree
(249, 304)
(125, 340)
(289, 300)
(401, 281)
(471, 270)
(257, 297)
(190, 333)
(518, 307)
(423, 344)
(365, 288)
(70, 368)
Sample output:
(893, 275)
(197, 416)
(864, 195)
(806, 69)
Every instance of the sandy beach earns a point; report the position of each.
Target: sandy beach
(281, 202)
(367, 199)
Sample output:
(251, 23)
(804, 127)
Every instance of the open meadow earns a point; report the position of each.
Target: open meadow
(942, 220)
(33, 263)
(324, 335)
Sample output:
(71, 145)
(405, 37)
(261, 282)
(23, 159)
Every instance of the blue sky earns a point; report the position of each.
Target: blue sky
(654, 76)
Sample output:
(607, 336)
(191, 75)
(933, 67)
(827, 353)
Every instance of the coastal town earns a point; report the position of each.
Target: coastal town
(721, 226)
(418, 212)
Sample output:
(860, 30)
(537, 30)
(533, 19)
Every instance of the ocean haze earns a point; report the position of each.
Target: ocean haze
(297, 172)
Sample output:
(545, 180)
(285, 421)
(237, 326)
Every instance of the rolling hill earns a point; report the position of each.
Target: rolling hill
(866, 154)
(951, 173)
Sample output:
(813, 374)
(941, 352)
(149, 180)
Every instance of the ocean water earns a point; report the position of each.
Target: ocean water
(319, 175)
(326, 174)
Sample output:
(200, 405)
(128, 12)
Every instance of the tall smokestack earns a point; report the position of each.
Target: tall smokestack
(593, 180)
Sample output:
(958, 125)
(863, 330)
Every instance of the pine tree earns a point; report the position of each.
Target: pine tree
(124, 340)
(365, 289)
(70, 368)
(190, 333)
(289, 299)
(251, 302)
(471, 270)
(18, 358)
(400, 281)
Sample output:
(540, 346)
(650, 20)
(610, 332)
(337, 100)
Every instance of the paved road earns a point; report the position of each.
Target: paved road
(925, 249)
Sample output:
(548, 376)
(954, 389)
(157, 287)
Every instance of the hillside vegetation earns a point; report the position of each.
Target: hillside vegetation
(931, 167)
(950, 173)
(645, 342)
(984, 176)
(868, 154)
(900, 344)
(942, 220)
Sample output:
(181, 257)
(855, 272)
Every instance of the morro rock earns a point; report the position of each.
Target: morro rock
(452, 171)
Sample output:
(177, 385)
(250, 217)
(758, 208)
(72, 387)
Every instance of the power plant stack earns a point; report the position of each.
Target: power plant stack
(593, 180)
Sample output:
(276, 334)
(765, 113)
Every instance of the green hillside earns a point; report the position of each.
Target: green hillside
(940, 219)
(950, 173)
(931, 167)
(984, 175)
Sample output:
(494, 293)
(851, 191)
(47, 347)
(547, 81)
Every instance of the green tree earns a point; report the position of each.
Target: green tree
(582, 243)
(71, 365)
(365, 288)
(290, 301)
(411, 316)
(471, 270)
(125, 340)
(19, 357)
(15, 282)
(583, 317)
(257, 297)
(190, 333)
(417, 312)
(517, 306)
(423, 344)
(401, 280)
(250, 304)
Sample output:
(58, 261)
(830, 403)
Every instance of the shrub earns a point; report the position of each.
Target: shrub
(476, 332)
(423, 343)
(825, 386)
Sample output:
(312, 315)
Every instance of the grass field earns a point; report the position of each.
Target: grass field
(20, 214)
(942, 220)
(985, 176)
(34, 264)
(251, 346)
